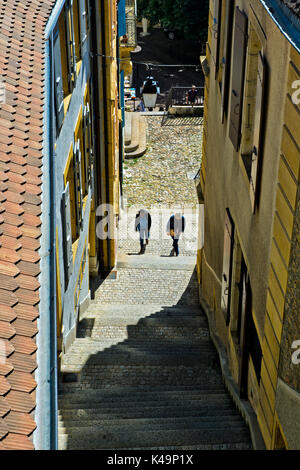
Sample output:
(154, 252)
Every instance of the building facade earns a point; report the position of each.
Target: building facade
(60, 118)
(249, 264)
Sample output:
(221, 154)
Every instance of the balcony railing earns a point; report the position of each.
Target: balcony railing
(179, 96)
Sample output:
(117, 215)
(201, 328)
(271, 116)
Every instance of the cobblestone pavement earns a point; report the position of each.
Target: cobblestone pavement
(161, 181)
(161, 175)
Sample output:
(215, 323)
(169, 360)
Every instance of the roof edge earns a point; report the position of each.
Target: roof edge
(285, 19)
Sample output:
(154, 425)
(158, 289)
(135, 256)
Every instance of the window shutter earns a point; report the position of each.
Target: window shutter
(83, 21)
(216, 33)
(238, 74)
(227, 265)
(59, 93)
(78, 185)
(73, 42)
(67, 234)
(70, 44)
(226, 58)
(69, 48)
(87, 143)
(257, 147)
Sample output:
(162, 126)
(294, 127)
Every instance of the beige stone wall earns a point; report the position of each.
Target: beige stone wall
(265, 237)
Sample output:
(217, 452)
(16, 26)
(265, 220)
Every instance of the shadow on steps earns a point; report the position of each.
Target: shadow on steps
(161, 386)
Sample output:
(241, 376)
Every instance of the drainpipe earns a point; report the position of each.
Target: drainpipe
(45, 436)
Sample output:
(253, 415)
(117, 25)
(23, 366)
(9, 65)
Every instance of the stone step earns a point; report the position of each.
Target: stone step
(134, 133)
(197, 401)
(143, 358)
(211, 384)
(127, 131)
(145, 344)
(138, 147)
(89, 398)
(100, 439)
(95, 377)
(77, 416)
(152, 424)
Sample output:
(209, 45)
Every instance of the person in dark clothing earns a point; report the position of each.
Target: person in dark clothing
(143, 225)
(192, 95)
(175, 228)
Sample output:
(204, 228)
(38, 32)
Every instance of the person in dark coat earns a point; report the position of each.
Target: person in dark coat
(192, 95)
(143, 225)
(175, 228)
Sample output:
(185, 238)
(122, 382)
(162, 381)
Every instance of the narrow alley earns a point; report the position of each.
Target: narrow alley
(143, 372)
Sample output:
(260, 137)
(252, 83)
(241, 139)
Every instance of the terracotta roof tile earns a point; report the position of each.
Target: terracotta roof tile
(6, 367)
(31, 232)
(22, 381)
(23, 362)
(10, 242)
(13, 208)
(3, 428)
(7, 254)
(4, 407)
(27, 312)
(23, 344)
(7, 331)
(19, 423)
(7, 313)
(14, 197)
(27, 282)
(8, 298)
(32, 209)
(8, 348)
(8, 269)
(8, 283)
(17, 442)
(25, 327)
(19, 401)
(28, 268)
(30, 243)
(22, 65)
(4, 386)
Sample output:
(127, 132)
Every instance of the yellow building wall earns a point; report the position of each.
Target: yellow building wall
(288, 181)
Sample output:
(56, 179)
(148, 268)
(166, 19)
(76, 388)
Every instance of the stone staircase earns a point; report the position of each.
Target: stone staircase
(148, 376)
(135, 135)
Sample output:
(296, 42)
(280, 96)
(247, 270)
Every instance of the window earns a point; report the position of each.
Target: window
(67, 234)
(257, 134)
(251, 140)
(84, 23)
(58, 85)
(216, 28)
(87, 143)
(226, 58)
(227, 265)
(76, 21)
(69, 179)
(70, 41)
(237, 77)
(78, 185)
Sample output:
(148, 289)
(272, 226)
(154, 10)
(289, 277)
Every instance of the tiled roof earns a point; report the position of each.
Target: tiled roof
(22, 63)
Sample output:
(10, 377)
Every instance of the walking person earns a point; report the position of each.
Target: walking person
(143, 225)
(175, 228)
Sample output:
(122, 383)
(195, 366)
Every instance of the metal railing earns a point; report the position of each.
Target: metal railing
(181, 96)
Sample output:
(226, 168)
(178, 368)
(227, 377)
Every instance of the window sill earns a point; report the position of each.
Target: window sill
(78, 67)
(74, 248)
(67, 100)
